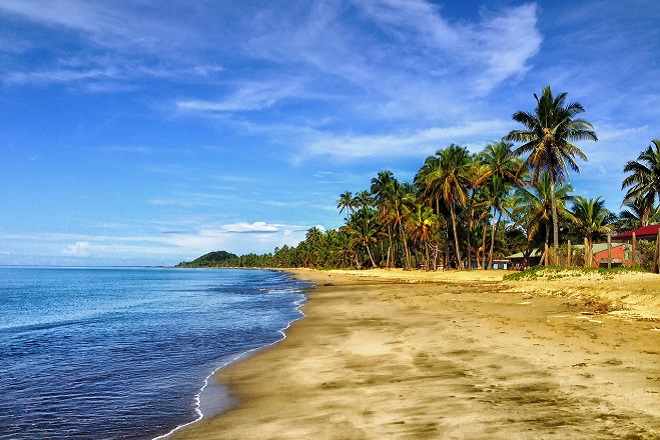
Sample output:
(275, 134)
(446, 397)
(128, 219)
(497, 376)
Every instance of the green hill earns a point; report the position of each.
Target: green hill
(212, 259)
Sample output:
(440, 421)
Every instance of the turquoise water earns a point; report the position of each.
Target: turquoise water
(116, 353)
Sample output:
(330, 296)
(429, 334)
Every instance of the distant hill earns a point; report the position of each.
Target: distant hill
(212, 259)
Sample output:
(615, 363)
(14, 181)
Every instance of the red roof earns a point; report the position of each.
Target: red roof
(644, 231)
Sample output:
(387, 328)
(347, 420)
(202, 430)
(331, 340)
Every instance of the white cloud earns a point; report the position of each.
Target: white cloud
(108, 24)
(416, 143)
(163, 248)
(250, 227)
(491, 50)
(251, 96)
(608, 132)
(59, 76)
(79, 248)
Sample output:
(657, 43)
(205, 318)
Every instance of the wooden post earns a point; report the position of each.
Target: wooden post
(587, 260)
(546, 254)
(568, 263)
(609, 250)
(634, 248)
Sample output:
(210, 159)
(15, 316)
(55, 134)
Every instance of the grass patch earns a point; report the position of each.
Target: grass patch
(559, 272)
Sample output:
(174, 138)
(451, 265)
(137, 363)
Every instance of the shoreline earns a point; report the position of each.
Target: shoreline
(392, 354)
(210, 382)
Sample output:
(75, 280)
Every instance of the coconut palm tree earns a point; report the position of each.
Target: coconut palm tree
(644, 181)
(533, 206)
(364, 200)
(419, 224)
(593, 220)
(445, 177)
(347, 203)
(363, 230)
(499, 160)
(550, 129)
(495, 193)
(637, 215)
(393, 200)
(502, 169)
(383, 186)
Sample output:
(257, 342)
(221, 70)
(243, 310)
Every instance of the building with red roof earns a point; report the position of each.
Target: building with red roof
(649, 232)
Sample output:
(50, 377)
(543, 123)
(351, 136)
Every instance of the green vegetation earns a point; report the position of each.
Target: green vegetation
(466, 210)
(558, 272)
(212, 259)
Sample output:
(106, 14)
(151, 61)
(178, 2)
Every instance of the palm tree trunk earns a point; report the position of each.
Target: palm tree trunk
(483, 246)
(453, 224)
(390, 249)
(405, 244)
(371, 259)
(555, 222)
(357, 261)
(492, 239)
(469, 244)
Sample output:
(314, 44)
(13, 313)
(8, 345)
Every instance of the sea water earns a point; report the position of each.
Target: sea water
(124, 353)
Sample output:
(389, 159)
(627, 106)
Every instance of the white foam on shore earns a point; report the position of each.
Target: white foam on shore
(198, 396)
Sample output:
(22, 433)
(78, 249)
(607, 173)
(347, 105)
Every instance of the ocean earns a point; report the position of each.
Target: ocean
(126, 353)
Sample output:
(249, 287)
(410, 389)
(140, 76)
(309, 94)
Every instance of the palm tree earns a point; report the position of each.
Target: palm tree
(393, 200)
(364, 200)
(363, 229)
(419, 224)
(547, 138)
(592, 220)
(445, 176)
(644, 181)
(534, 206)
(476, 202)
(383, 187)
(637, 215)
(495, 193)
(502, 170)
(346, 203)
(500, 161)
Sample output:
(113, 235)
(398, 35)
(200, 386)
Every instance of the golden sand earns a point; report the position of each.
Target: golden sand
(454, 355)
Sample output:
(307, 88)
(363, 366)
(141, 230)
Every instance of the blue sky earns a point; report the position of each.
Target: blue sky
(151, 132)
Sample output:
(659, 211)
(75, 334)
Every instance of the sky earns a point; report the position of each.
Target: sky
(149, 132)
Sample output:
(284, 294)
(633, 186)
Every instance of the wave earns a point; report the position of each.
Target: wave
(241, 356)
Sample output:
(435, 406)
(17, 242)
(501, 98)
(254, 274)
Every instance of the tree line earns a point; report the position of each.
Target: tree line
(466, 210)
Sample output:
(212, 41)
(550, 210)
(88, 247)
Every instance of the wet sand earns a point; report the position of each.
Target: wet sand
(394, 355)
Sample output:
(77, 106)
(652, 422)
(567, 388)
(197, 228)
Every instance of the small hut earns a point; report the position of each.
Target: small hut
(648, 233)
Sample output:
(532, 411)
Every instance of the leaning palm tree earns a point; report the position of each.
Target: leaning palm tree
(644, 181)
(445, 177)
(550, 129)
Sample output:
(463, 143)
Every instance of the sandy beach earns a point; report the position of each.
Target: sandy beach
(454, 355)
